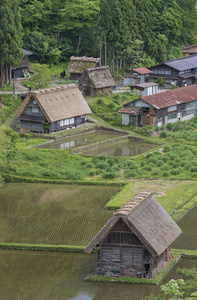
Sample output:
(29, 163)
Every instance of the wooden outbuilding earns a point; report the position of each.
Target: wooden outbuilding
(78, 64)
(160, 109)
(23, 69)
(190, 50)
(137, 76)
(96, 80)
(136, 241)
(53, 109)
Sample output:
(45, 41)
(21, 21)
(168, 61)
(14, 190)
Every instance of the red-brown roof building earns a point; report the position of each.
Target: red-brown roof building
(168, 107)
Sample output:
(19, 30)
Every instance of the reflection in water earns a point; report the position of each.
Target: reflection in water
(81, 140)
(122, 149)
(51, 276)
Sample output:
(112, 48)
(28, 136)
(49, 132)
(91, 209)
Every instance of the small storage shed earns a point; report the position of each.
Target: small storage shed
(23, 69)
(145, 89)
(136, 241)
(137, 76)
(96, 80)
(78, 64)
(53, 109)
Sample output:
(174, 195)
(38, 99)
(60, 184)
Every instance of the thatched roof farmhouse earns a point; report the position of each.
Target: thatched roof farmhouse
(96, 80)
(78, 64)
(136, 241)
(53, 109)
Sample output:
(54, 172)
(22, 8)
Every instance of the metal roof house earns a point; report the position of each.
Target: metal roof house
(136, 241)
(167, 107)
(190, 50)
(53, 109)
(178, 72)
(78, 64)
(96, 80)
(144, 89)
(137, 76)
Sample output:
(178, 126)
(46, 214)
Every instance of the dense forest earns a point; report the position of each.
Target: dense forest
(123, 33)
(138, 31)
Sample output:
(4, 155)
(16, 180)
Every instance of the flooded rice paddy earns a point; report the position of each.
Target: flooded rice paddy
(122, 149)
(188, 224)
(82, 139)
(65, 214)
(50, 276)
(53, 214)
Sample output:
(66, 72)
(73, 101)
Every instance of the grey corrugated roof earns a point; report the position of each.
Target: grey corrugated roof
(144, 85)
(147, 219)
(183, 63)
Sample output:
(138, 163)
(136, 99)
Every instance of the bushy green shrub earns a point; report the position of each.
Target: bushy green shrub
(147, 168)
(91, 173)
(156, 172)
(99, 101)
(124, 97)
(165, 158)
(112, 105)
(166, 174)
(143, 163)
(102, 157)
(102, 165)
(110, 175)
(163, 134)
(176, 165)
(117, 96)
(152, 160)
(111, 162)
(193, 169)
(129, 173)
(116, 169)
(166, 148)
(163, 127)
(157, 128)
(84, 162)
(175, 171)
(165, 167)
(169, 126)
(90, 166)
(95, 159)
(160, 163)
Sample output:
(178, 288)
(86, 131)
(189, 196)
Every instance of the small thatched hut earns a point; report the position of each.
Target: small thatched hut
(78, 64)
(136, 241)
(96, 80)
(53, 109)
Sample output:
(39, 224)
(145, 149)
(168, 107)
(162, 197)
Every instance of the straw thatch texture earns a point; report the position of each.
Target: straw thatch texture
(99, 77)
(78, 64)
(147, 219)
(57, 103)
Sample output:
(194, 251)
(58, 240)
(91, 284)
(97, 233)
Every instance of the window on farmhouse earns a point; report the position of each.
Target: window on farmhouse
(172, 115)
(35, 110)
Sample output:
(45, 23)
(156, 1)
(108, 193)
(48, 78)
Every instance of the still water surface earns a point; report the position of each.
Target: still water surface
(81, 140)
(50, 276)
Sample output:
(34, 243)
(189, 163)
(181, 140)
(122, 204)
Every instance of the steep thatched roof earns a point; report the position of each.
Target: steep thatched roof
(78, 64)
(57, 103)
(100, 77)
(147, 219)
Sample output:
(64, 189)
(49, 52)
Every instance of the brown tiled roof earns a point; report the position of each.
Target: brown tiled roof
(130, 110)
(142, 70)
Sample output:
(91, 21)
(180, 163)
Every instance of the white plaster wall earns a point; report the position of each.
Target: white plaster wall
(125, 119)
(188, 117)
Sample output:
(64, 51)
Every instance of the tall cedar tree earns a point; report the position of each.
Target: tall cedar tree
(10, 37)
